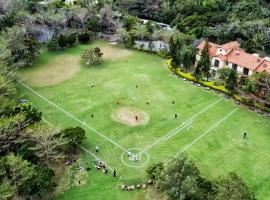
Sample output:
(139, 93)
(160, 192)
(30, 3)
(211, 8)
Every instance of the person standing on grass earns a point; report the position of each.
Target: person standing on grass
(114, 173)
(245, 135)
(97, 148)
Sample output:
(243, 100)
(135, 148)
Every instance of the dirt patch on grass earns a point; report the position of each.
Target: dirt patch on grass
(130, 116)
(113, 53)
(55, 71)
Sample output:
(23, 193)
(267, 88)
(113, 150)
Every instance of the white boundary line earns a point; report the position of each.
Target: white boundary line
(175, 132)
(202, 135)
(50, 124)
(73, 117)
(179, 128)
(47, 122)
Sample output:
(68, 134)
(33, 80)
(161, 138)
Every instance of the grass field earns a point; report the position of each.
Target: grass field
(208, 126)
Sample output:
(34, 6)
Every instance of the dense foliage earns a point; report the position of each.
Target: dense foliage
(181, 179)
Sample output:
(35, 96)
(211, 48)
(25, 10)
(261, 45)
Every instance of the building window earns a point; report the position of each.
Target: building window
(245, 71)
(216, 63)
(234, 67)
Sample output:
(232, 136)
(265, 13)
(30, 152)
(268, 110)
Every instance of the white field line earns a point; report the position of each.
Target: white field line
(179, 128)
(202, 135)
(73, 117)
(96, 157)
(50, 124)
(47, 122)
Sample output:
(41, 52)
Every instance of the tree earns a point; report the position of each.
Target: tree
(204, 64)
(40, 182)
(19, 170)
(231, 81)
(92, 56)
(233, 188)
(130, 22)
(259, 84)
(188, 56)
(179, 179)
(93, 24)
(122, 35)
(153, 171)
(45, 144)
(7, 191)
(140, 31)
(75, 136)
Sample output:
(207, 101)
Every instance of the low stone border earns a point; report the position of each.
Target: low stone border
(127, 187)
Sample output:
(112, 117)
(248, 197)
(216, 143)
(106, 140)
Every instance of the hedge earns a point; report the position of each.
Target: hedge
(211, 84)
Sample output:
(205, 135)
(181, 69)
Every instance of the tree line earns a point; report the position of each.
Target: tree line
(181, 179)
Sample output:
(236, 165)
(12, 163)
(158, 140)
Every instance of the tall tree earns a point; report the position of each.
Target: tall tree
(231, 81)
(204, 64)
(75, 136)
(188, 57)
(46, 145)
(179, 179)
(233, 188)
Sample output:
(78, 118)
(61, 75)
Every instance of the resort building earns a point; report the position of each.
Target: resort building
(232, 56)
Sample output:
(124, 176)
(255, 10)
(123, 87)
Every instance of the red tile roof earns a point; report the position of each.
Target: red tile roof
(234, 54)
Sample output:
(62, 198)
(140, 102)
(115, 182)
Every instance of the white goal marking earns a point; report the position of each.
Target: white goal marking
(202, 135)
(72, 116)
(179, 128)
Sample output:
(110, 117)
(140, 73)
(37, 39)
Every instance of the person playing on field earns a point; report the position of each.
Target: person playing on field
(136, 118)
(245, 135)
(97, 148)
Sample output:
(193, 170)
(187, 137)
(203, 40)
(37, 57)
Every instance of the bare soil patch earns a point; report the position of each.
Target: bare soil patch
(130, 116)
(113, 53)
(57, 70)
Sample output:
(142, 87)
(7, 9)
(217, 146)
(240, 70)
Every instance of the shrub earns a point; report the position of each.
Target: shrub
(71, 38)
(154, 170)
(85, 36)
(53, 44)
(92, 56)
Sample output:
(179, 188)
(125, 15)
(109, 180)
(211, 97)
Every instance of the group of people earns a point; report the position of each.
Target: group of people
(101, 166)
(132, 157)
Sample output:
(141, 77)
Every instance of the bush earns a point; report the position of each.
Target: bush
(85, 37)
(71, 38)
(53, 44)
(154, 170)
(92, 56)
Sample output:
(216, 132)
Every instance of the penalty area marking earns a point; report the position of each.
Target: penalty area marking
(202, 135)
(135, 166)
(72, 116)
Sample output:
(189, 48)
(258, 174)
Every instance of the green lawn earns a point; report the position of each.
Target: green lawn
(213, 137)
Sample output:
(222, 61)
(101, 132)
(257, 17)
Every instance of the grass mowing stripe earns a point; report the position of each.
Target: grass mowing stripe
(72, 116)
(202, 135)
(177, 129)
